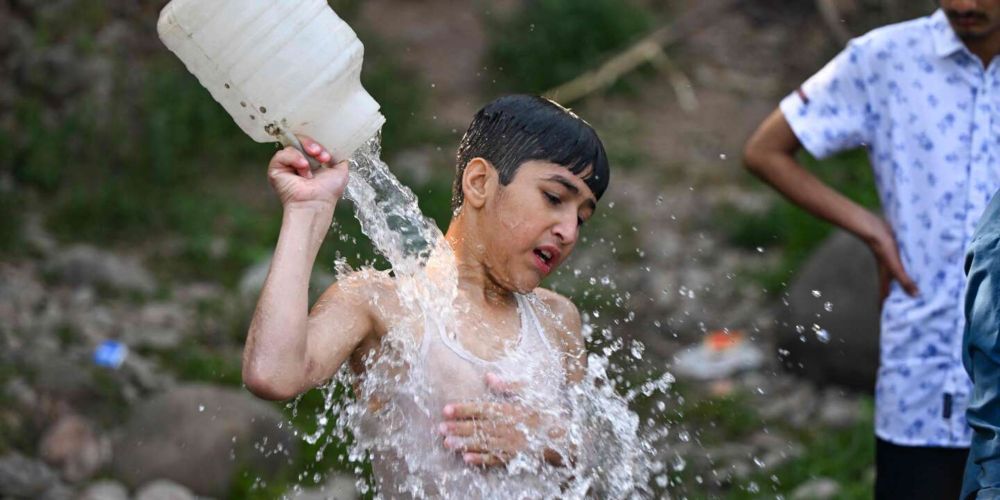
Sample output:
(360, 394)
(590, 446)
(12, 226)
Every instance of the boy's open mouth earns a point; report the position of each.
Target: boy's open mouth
(546, 256)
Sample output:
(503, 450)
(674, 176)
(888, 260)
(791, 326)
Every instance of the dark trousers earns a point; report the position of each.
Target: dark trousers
(917, 473)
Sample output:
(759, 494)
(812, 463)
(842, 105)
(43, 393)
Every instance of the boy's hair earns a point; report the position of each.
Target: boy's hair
(518, 128)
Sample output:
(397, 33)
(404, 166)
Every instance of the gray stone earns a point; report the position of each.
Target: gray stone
(336, 487)
(160, 326)
(198, 436)
(58, 491)
(163, 490)
(843, 273)
(838, 411)
(36, 236)
(820, 488)
(87, 265)
(253, 278)
(104, 490)
(22, 477)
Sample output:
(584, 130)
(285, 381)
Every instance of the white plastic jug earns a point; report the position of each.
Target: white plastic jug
(278, 67)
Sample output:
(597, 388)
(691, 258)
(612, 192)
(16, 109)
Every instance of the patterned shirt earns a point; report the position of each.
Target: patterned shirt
(928, 113)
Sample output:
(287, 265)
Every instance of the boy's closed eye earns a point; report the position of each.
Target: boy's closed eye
(555, 201)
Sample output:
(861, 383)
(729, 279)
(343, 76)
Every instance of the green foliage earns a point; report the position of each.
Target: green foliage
(790, 229)
(547, 42)
(196, 362)
(723, 418)
(845, 455)
(10, 223)
(163, 158)
(313, 462)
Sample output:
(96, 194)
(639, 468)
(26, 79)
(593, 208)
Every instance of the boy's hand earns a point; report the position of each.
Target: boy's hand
(490, 434)
(295, 183)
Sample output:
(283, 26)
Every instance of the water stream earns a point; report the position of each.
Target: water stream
(612, 454)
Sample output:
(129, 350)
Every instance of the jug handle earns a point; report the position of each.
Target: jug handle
(288, 139)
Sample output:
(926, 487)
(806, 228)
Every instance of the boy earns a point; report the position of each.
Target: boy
(467, 402)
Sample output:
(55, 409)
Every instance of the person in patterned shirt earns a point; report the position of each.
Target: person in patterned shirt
(923, 98)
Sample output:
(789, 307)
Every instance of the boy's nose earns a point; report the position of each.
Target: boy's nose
(567, 231)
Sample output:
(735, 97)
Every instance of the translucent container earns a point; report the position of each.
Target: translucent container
(277, 67)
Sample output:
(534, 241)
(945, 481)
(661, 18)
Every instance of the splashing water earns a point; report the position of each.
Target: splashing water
(396, 408)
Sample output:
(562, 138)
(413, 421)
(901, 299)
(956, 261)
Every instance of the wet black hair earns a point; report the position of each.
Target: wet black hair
(517, 128)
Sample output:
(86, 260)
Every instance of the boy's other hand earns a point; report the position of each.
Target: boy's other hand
(490, 434)
(296, 184)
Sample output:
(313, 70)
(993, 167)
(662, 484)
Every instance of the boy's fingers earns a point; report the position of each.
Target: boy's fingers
(503, 387)
(482, 459)
(288, 157)
(461, 428)
(465, 411)
(315, 149)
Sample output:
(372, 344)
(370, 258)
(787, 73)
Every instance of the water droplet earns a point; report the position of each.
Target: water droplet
(823, 336)
(828, 306)
(722, 156)
(817, 293)
(760, 249)
(201, 408)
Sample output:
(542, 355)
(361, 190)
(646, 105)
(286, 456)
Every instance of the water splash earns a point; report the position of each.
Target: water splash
(608, 451)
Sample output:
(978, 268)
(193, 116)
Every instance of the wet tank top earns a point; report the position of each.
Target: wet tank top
(409, 458)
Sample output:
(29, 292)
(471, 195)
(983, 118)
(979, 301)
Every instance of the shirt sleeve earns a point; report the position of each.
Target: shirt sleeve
(831, 111)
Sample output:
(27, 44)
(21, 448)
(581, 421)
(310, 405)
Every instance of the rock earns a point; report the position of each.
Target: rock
(36, 236)
(163, 490)
(160, 326)
(796, 405)
(87, 265)
(104, 490)
(820, 488)
(73, 446)
(58, 491)
(843, 273)
(336, 487)
(21, 294)
(198, 435)
(253, 278)
(22, 477)
(839, 411)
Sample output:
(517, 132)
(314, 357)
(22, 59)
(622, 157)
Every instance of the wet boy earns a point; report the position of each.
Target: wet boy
(485, 384)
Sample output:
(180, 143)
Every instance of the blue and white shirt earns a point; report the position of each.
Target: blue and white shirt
(928, 113)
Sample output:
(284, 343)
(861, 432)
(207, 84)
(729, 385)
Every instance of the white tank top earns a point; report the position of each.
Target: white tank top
(412, 462)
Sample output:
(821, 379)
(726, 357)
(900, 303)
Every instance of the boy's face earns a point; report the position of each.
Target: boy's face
(532, 224)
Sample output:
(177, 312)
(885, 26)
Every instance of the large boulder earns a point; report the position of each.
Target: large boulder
(23, 477)
(829, 331)
(199, 436)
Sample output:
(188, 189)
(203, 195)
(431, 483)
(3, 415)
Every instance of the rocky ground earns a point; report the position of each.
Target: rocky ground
(71, 429)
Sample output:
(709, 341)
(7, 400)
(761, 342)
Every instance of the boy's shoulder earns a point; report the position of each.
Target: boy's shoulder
(560, 317)
(367, 289)
(560, 306)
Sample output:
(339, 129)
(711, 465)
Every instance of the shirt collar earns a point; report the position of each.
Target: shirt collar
(946, 42)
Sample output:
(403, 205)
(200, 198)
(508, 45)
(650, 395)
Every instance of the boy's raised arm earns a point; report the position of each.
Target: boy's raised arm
(289, 350)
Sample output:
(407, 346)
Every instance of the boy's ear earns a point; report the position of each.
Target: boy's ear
(476, 181)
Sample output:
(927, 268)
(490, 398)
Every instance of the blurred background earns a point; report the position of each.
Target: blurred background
(133, 209)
